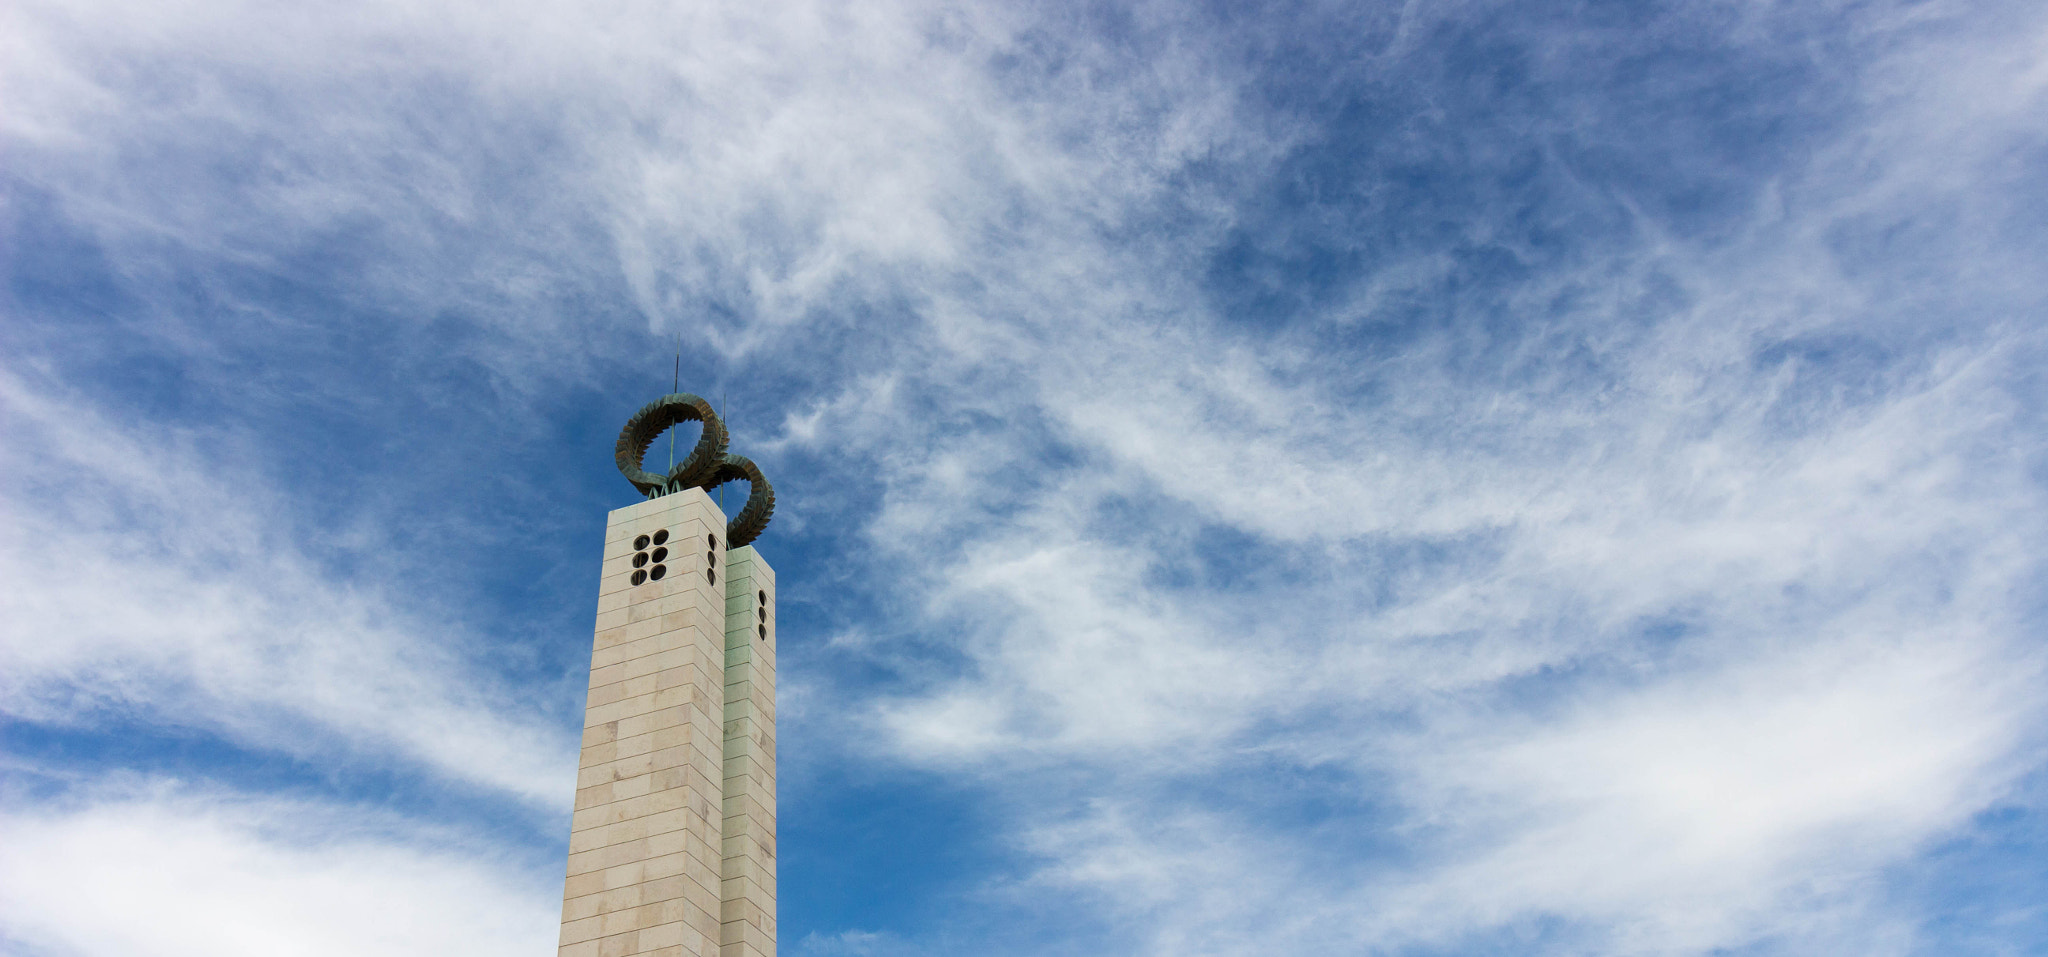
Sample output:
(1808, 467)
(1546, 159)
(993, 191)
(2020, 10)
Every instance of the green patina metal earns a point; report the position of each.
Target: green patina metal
(707, 466)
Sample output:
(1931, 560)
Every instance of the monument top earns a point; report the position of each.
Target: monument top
(707, 466)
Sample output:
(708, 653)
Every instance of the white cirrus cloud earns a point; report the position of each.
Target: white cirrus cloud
(152, 580)
(160, 869)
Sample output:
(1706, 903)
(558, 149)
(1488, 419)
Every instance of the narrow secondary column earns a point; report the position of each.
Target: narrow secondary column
(645, 855)
(748, 896)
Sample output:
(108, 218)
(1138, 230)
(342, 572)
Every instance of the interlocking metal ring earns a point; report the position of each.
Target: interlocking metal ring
(650, 421)
(707, 466)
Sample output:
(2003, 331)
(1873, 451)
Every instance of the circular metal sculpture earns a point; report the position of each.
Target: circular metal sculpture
(707, 466)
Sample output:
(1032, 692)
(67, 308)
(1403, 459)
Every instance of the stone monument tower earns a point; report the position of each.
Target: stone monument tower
(672, 847)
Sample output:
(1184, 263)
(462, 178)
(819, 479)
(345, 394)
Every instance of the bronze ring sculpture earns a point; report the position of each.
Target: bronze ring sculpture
(707, 466)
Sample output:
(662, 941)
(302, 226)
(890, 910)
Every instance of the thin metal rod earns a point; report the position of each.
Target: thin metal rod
(672, 390)
(724, 412)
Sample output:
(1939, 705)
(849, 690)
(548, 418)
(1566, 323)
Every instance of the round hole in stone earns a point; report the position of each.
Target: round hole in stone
(640, 560)
(655, 573)
(639, 578)
(712, 574)
(661, 536)
(661, 554)
(640, 543)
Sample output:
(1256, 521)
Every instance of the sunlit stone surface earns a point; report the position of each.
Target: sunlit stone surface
(672, 846)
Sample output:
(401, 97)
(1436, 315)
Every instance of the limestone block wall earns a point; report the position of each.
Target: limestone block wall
(747, 912)
(646, 856)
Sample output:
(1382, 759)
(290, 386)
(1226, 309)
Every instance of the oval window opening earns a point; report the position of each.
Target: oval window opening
(711, 574)
(640, 560)
(661, 554)
(711, 540)
(639, 578)
(655, 573)
(763, 594)
(640, 543)
(764, 632)
(661, 536)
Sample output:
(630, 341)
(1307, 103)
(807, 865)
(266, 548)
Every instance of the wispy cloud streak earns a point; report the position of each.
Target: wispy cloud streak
(1415, 479)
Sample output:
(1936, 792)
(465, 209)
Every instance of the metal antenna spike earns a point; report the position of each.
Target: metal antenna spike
(724, 412)
(672, 390)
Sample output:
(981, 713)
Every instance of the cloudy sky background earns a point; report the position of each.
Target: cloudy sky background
(1407, 478)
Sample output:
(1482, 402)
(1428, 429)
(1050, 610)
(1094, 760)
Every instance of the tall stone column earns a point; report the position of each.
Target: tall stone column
(748, 896)
(672, 846)
(646, 855)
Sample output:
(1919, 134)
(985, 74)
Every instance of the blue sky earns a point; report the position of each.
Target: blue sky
(1419, 478)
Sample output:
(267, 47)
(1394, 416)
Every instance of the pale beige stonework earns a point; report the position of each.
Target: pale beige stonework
(672, 844)
(747, 898)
